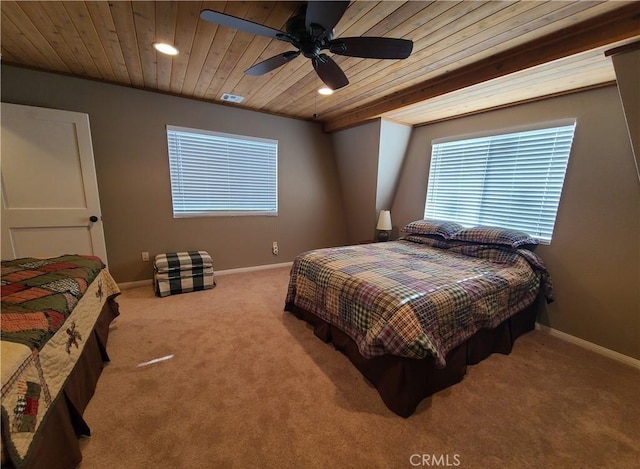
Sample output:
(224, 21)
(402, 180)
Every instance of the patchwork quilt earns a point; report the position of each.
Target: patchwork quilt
(49, 309)
(412, 299)
(39, 294)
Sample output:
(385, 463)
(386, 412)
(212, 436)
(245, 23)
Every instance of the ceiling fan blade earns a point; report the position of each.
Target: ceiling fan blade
(238, 23)
(329, 72)
(370, 47)
(271, 64)
(325, 15)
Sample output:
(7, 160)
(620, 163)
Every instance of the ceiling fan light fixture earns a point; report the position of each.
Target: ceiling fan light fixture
(325, 91)
(165, 48)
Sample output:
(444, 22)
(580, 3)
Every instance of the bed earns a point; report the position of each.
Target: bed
(412, 314)
(55, 323)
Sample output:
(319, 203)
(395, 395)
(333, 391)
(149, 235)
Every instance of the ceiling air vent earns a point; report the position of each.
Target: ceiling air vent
(232, 98)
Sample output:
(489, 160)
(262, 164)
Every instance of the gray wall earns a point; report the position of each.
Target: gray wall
(130, 148)
(369, 160)
(627, 67)
(357, 160)
(594, 257)
(394, 139)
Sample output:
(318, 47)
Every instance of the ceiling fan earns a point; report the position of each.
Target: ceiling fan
(310, 30)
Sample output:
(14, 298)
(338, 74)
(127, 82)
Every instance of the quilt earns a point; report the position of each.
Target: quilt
(415, 300)
(49, 309)
(39, 294)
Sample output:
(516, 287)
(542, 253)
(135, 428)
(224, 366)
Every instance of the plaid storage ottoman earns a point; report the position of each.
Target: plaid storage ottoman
(182, 272)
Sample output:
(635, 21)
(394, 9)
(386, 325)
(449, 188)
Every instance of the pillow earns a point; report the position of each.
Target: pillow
(494, 235)
(432, 240)
(432, 227)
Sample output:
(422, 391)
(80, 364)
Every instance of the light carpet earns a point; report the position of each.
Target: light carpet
(249, 385)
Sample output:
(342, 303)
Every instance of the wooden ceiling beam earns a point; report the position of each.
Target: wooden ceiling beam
(617, 25)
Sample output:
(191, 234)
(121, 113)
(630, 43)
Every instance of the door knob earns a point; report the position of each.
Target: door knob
(93, 218)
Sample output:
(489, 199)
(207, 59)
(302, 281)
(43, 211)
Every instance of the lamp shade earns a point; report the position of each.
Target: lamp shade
(384, 220)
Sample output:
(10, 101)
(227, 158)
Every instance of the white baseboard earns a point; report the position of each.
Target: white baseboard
(136, 284)
(143, 283)
(589, 345)
(254, 268)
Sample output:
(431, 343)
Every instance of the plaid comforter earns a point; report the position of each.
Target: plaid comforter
(415, 300)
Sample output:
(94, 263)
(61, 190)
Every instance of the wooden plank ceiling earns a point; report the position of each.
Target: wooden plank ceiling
(467, 55)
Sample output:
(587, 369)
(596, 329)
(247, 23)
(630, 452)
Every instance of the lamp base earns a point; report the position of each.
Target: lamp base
(383, 236)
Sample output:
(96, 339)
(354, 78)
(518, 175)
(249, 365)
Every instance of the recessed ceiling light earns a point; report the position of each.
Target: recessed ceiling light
(325, 91)
(165, 48)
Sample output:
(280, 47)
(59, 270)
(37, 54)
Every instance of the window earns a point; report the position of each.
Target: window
(222, 174)
(512, 180)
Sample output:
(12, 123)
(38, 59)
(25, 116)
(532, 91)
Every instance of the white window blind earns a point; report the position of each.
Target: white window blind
(222, 174)
(511, 180)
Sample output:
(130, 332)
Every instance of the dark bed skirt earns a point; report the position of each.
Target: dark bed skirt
(56, 444)
(404, 382)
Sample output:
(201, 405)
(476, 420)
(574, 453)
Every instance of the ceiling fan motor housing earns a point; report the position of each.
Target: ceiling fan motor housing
(311, 42)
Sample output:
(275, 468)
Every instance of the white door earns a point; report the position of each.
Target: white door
(50, 203)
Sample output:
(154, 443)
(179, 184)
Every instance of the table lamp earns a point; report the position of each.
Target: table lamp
(384, 225)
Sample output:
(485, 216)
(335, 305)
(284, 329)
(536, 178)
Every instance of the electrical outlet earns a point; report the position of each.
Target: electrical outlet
(274, 248)
(145, 256)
